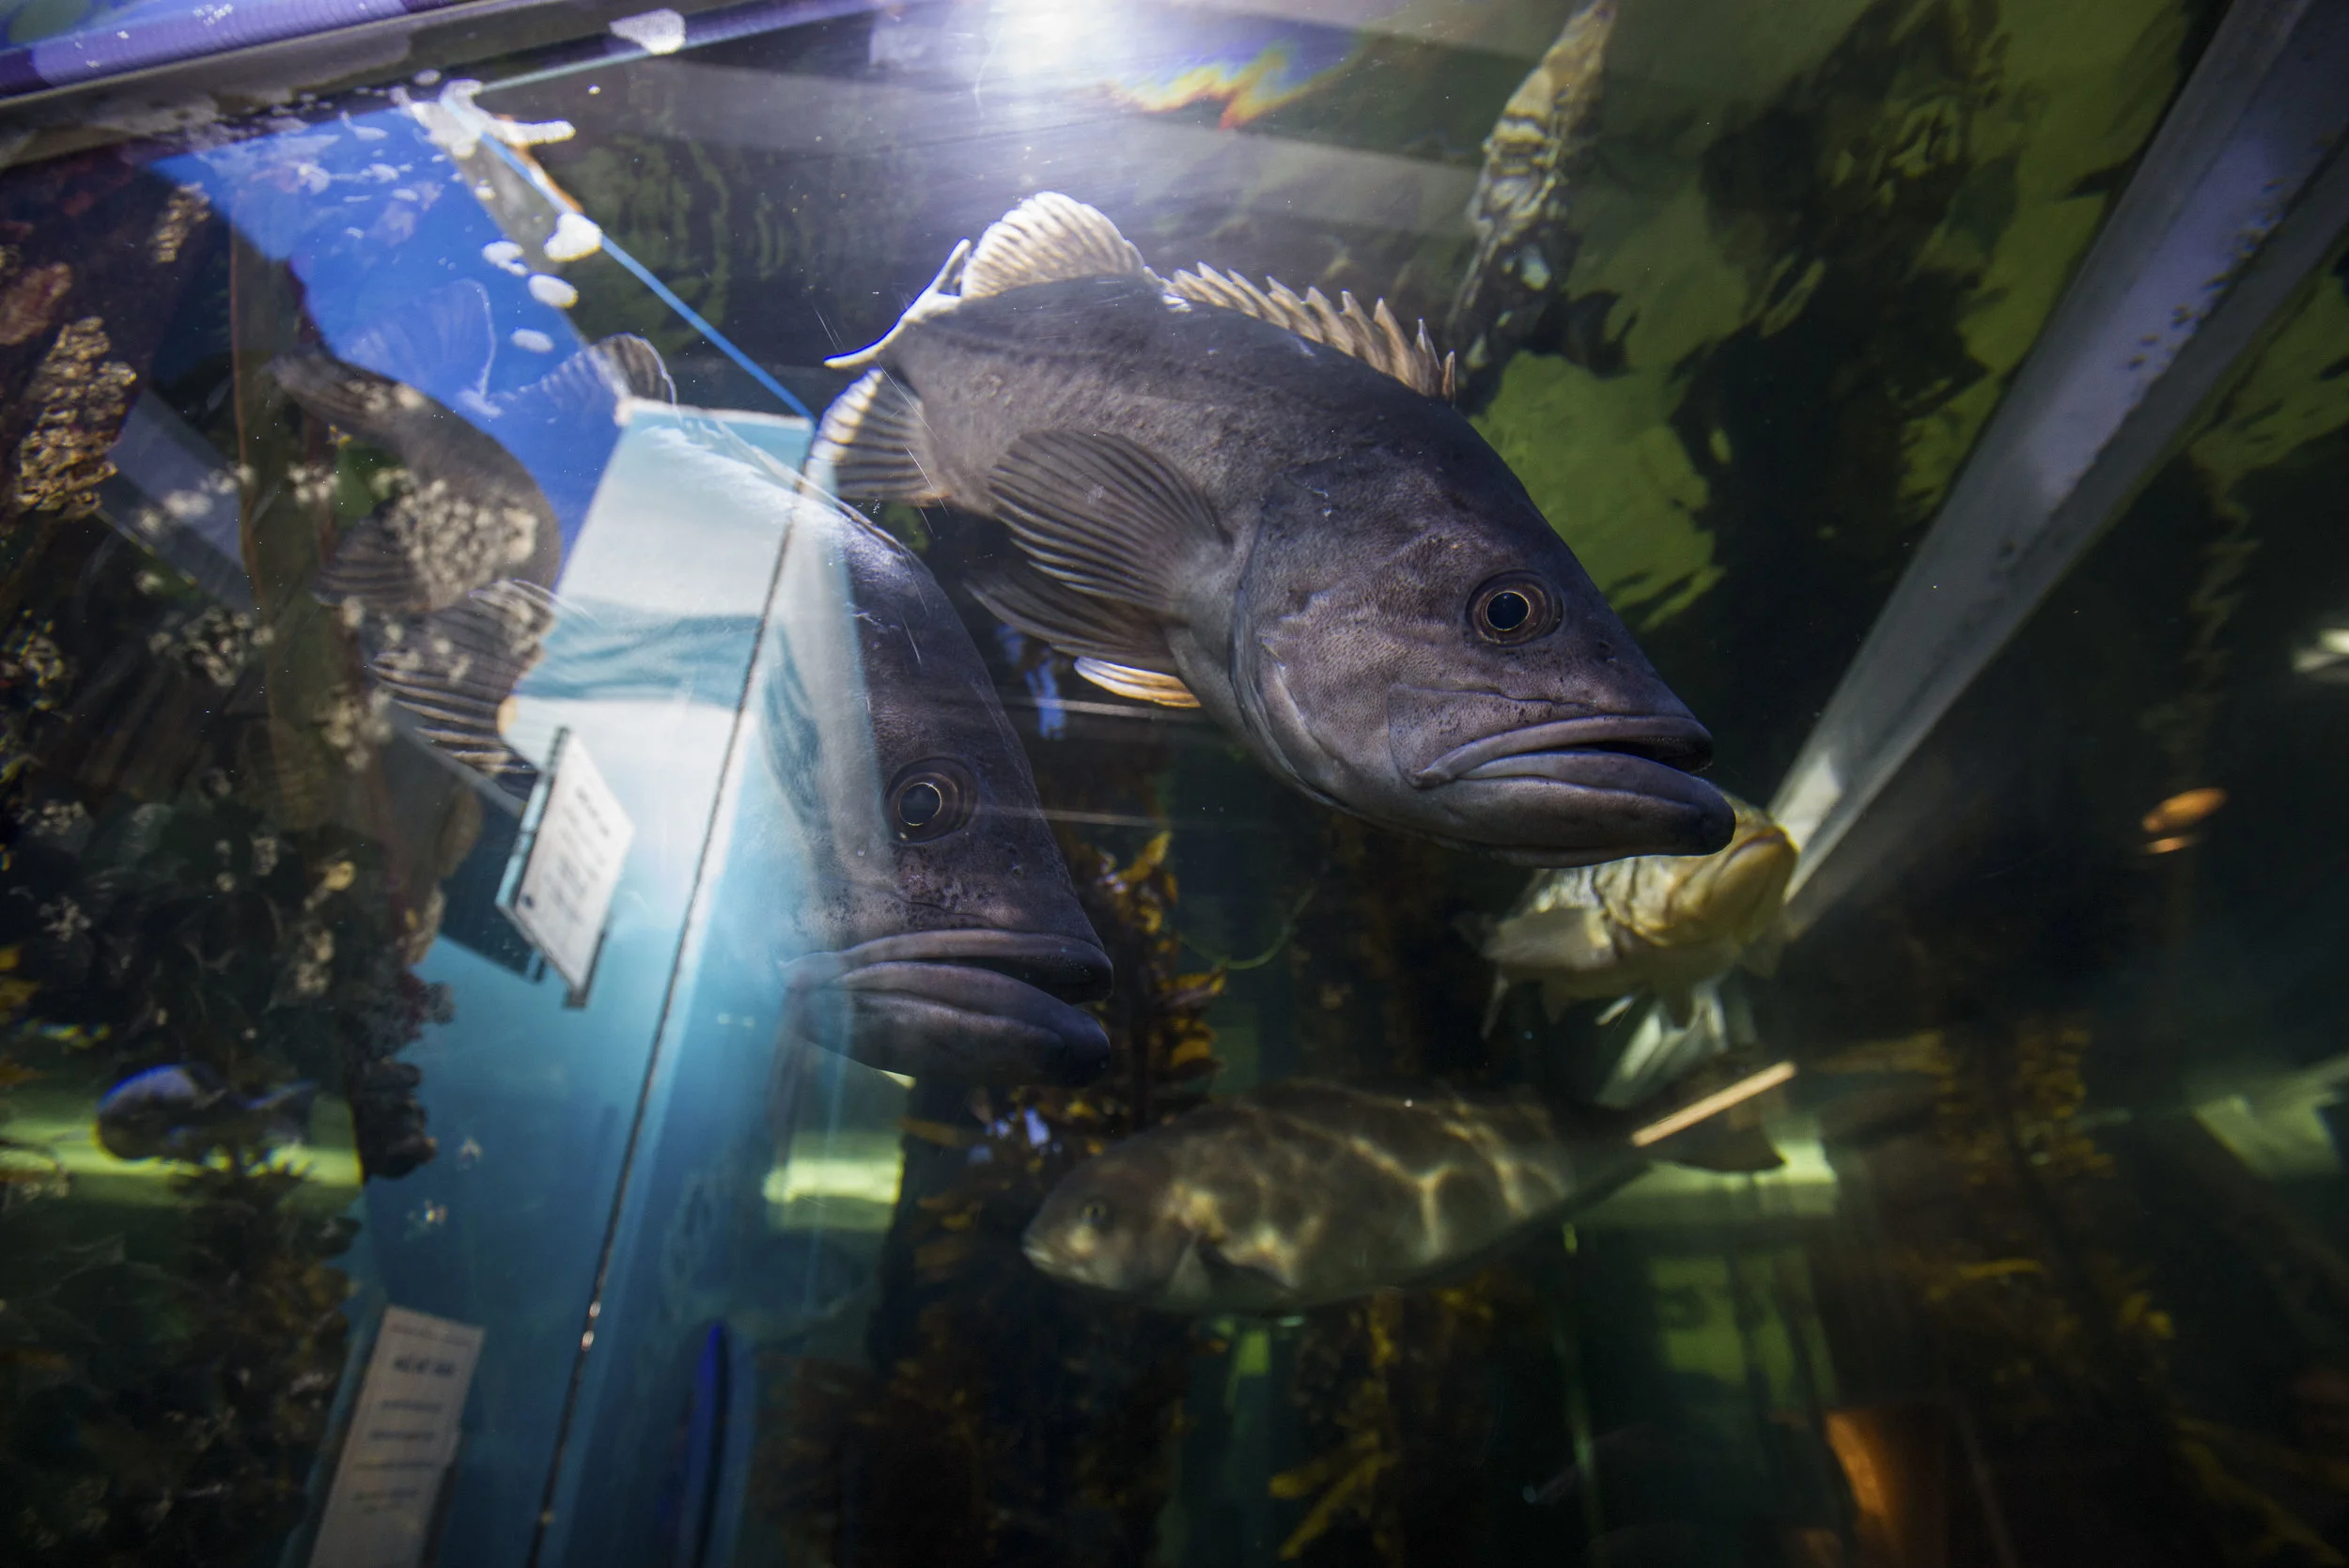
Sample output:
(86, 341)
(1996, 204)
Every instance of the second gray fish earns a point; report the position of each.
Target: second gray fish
(1305, 1193)
(950, 940)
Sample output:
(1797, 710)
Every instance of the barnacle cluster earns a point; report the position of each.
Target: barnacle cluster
(187, 207)
(81, 396)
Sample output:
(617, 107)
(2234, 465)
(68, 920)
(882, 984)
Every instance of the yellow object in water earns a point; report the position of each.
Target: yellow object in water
(1653, 923)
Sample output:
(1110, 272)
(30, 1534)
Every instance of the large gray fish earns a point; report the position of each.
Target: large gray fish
(1229, 497)
(1659, 924)
(950, 939)
(1306, 1193)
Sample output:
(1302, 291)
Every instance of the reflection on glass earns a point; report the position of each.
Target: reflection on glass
(1175, 994)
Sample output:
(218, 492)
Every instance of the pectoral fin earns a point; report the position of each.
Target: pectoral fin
(878, 447)
(1143, 685)
(1075, 624)
(586, 389)
(1106, 516)
(457, 669)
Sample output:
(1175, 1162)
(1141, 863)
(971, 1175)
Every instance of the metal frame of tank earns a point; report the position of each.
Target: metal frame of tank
(2242, 195)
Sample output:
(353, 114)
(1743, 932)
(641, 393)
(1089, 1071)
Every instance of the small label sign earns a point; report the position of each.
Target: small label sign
(564, 892)
(403, 1436)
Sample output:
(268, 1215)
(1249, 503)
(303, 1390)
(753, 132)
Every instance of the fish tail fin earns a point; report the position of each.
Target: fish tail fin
(878, 443)
(585, 390)
(1113, 650)
(444, 331)
(1492, 1004)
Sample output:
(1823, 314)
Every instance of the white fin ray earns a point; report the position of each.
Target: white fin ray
(1143, 685)
(1373, 336)
(878, 443)
(1049, 238)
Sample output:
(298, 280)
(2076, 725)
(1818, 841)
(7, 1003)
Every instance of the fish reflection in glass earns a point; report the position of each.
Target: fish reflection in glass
(1655, 923)
(1306, 1193)
(950, 942)
(184, 1112)
(1229, 497)
(448, 582)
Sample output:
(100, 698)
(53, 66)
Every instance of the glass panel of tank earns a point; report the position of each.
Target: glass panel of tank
(1132, 967)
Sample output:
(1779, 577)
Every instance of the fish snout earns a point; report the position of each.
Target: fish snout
(1546, 783)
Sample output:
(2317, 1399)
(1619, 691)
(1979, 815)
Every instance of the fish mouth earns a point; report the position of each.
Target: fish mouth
(1681, 745)
(984, 1006)
(1643, 766)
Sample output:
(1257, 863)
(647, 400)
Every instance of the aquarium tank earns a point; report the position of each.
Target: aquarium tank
(1173, 784)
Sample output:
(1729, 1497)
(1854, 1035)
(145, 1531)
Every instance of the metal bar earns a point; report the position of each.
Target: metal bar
(2241, 194)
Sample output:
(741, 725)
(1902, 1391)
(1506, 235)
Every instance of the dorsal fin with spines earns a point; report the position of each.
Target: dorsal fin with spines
(1373, 336)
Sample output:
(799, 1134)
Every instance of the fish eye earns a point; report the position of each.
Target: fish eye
(1516, 607)
(931, 799)
(1095, 1214)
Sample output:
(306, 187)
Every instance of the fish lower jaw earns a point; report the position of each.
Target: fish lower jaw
(1664, 741)
(1561, 809)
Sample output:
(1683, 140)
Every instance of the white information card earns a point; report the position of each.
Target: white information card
(403, 1435)
(573, 866)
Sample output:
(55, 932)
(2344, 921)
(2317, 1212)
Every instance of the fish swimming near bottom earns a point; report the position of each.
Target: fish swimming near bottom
(184, 1112)
(1306, 1193)
(1655, 922)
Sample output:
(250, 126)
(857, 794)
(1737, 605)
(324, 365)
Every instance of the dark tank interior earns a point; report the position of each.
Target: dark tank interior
(1488, 783)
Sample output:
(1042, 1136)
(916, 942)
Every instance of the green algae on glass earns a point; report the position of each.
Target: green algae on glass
(2296, 391)
(1870, 210)
(1612, 477)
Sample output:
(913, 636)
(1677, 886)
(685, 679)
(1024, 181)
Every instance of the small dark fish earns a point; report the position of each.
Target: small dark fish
(1231, 498)
(1306, 1193)
(448, 582)
(951, 942)
(1524, 197)
(184, 1112)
